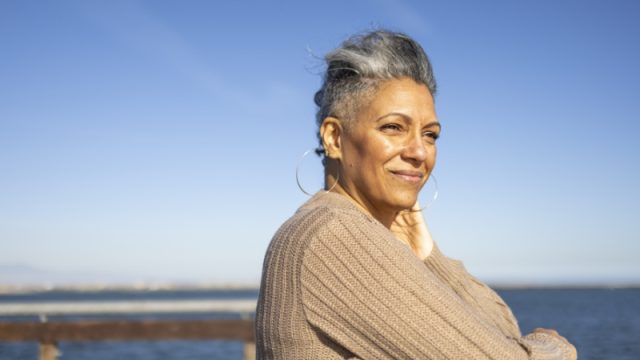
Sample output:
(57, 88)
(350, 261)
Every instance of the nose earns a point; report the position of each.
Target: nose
(415, 149)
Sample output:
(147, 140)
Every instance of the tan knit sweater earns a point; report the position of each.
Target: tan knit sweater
(337, 284)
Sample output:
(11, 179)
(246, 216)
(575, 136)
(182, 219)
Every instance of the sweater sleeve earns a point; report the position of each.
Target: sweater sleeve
(370, 294)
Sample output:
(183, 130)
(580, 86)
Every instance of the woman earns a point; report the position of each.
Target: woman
(354, 273)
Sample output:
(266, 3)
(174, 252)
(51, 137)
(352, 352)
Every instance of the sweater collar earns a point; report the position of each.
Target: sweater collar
(339, 201)
(332, 199)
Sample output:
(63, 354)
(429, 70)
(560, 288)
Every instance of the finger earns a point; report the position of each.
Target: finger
(546, 331)
(552, 333)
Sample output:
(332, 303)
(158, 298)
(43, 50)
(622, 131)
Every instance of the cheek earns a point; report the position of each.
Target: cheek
(388, 148)
(374, 151)
(384, 148)
(431, 161)
(367, 154)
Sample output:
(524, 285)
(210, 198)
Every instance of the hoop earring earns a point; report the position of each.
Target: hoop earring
(435, 196)
(298, 172)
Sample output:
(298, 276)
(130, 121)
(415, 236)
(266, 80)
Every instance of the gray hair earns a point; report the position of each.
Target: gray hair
(360, 64)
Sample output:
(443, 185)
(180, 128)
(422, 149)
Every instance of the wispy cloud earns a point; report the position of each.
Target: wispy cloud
(131, 23)
(134, 25)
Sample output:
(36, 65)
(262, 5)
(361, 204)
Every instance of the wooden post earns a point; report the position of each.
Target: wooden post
(48, 351)
(249, 350)
(249, 346)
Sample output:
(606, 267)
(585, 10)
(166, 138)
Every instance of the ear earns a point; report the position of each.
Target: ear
(331, 135)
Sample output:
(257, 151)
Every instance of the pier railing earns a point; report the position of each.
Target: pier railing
(48, 334)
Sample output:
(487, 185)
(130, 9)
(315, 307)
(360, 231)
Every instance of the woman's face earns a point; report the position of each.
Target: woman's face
(389, 150)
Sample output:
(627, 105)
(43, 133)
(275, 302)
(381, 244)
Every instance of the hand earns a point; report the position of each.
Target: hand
(555, 334)
(410, 228)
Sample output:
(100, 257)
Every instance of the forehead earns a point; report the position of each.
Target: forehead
(401, 95)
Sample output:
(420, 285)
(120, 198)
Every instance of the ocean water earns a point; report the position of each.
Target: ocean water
(602, 323)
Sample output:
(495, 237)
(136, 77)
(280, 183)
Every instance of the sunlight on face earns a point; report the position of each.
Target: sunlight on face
(389, 150)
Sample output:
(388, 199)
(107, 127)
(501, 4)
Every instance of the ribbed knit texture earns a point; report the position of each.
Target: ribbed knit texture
(337, 284)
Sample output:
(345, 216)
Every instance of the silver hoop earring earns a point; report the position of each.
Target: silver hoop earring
(435, 195)
(298, 172)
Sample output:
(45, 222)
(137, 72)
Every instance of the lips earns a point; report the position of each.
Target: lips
(412, 176)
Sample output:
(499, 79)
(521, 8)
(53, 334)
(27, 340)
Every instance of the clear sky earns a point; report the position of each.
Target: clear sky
(158, 139)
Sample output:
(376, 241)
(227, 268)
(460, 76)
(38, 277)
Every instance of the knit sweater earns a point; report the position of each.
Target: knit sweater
(337, 284)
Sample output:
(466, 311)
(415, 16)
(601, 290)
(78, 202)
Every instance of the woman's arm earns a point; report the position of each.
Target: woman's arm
(410, 228)
(369, 293)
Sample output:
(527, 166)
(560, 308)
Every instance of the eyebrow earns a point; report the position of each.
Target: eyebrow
(409, 118)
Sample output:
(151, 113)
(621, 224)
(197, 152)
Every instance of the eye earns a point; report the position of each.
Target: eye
(391, 128)
(431, 136)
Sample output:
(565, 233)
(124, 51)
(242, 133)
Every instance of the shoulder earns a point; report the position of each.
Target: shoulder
(325, 218)
(350, 237)
(319, 220)
(330, 228)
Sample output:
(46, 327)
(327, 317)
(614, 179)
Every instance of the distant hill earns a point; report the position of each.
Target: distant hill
(26, 275)
(21, 277)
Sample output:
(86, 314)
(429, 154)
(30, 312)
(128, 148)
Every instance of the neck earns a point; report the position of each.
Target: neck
(384, 217)
(337, 185)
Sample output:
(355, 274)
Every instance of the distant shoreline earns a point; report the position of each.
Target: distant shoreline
(88, 288)
(151, 287)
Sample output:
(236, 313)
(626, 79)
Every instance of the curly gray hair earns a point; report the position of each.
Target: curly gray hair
(360, 64)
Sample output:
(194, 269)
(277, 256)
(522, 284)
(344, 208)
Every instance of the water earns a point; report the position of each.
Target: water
(602, 323)
(142, 350)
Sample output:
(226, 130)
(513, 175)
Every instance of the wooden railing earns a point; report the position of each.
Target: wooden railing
(48, 334)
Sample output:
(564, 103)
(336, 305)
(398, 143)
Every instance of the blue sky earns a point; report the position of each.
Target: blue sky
(157, 140)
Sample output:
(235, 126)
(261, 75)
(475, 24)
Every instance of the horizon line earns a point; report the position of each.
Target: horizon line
(239, 286)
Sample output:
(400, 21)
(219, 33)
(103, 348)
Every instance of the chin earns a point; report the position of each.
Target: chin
(403, 202)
